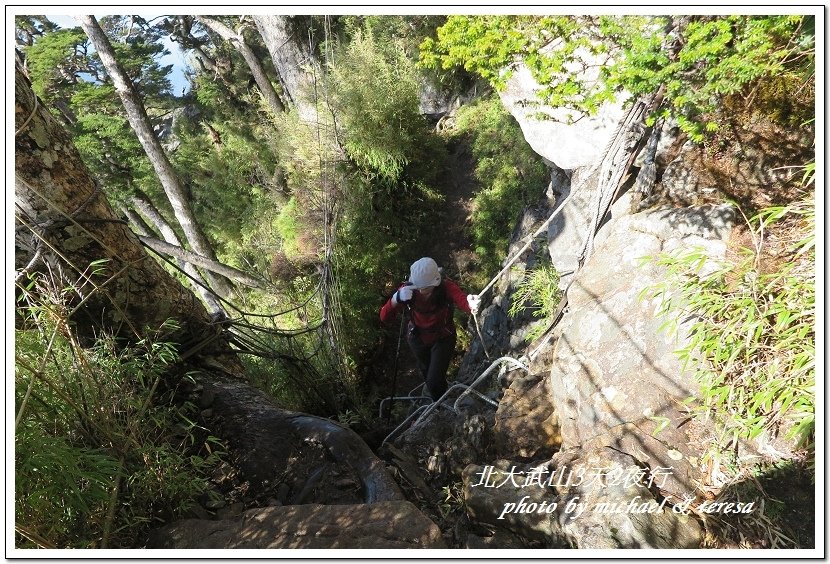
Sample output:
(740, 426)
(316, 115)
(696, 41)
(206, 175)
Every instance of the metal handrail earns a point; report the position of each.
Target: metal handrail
(393, 398)
(423, 411)
(484, 374)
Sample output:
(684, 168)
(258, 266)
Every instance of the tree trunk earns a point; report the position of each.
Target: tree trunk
(251, 59)
(295, 65)
(63, 222)
(140, 226)
(137, 116)
(145, 207)
(202, 262)
(63, 216)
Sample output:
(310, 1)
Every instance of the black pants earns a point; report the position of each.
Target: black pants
(433, 362)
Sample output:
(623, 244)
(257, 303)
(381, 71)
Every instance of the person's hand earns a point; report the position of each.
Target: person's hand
(403, 295)
(474, 302)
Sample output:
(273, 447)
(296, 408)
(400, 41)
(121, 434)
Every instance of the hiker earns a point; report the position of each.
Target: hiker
(431, 332)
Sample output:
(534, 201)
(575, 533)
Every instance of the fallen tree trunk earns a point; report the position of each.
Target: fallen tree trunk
(267, 440)
(201, 261)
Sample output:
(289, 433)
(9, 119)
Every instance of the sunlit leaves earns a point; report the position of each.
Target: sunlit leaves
(751, 333)
(510, 175)
(696, 59)
(539, 290)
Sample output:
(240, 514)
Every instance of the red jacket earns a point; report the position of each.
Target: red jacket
(433, 320)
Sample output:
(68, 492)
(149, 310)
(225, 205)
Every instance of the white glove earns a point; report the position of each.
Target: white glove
(474, 302)
(403, 295)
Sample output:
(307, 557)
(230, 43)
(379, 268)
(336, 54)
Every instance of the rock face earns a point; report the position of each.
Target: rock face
(615, 376)
(611, 404)
(611, 510)
(597, 499)
(391, 524)
(567, 145)
(568, 232)
(526, 423)
(435, 102)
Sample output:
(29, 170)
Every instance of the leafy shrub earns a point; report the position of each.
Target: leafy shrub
(752, 329)
(510, 176)
(538, 289)
(375, 94)
(96, 459)
(385, 190)
(696, 59)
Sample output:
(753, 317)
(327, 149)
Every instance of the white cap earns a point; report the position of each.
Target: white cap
(424, 273)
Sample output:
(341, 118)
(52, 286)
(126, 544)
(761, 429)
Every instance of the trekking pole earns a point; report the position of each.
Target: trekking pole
(395, 370)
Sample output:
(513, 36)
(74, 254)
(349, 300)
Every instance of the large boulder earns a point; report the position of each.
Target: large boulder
(615, 377)
(556, 133)
(526, 425)
(492, 497)
(388, 524)
(595, 499)
(274, 447)
(607, 503)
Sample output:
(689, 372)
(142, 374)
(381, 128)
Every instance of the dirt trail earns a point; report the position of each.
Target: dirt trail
(450, 246)
(449, 243)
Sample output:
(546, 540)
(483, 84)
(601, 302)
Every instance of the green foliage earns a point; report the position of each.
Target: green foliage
(298, 372)
(377, 239)
(287, 226)
(67, 73)
(28, 28)
(452, 499)
(538, 289)
(385, 189)
(231, 182)
(485, 45)
(91, 422)
(405, 32)
(375, 95)
(751, 329)
(698, 59)
(50, 56)
(491, 45)
(510, 175)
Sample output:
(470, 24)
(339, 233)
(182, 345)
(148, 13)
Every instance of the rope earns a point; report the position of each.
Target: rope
(70, 219)
(527, 245)
(28, 119)
(559, 208)
(604, 199)
(608, 186)
(478, 330)
(81, 272)
(241, 324)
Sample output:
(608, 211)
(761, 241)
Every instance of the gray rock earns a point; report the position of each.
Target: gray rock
(588, 500)
(435, 102)
(215, 504)
(568, 231)
(609, 510)
(526, 425)
(268, 442)
(388, 524)
(231, 510)
(613, 365)
(557, 137)
(500, 539)
(488, 503)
